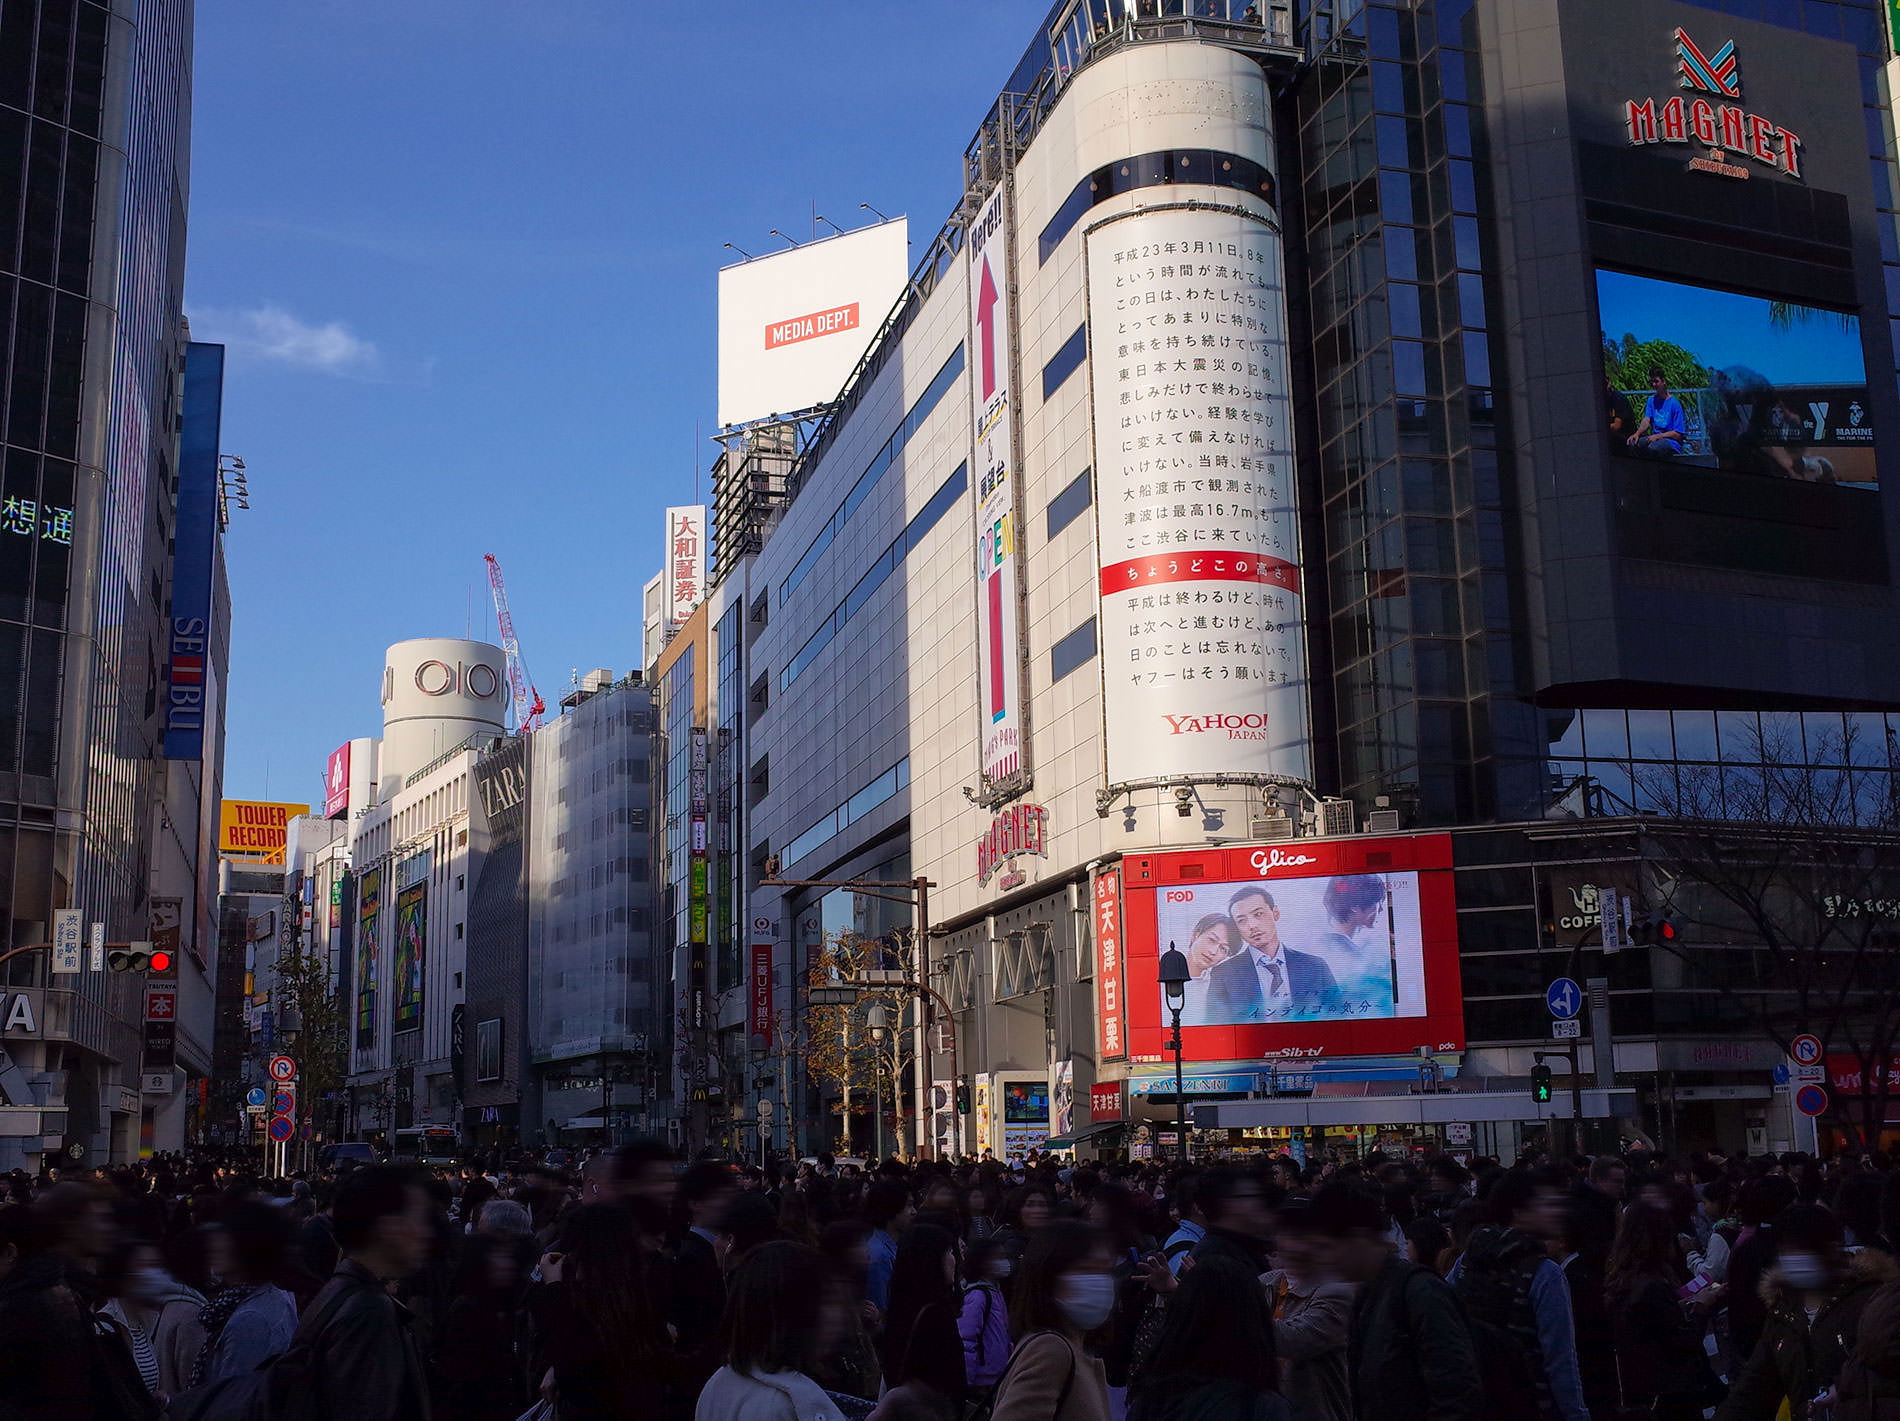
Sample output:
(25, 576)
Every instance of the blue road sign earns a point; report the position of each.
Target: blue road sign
(1780, 1073)
(1811, 1099)
(256, 1095)
(1564, 998)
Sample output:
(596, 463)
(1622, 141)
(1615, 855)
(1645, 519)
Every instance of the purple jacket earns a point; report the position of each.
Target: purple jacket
(984, 1327)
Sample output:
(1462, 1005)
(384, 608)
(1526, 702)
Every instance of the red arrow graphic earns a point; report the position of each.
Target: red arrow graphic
(986, 324)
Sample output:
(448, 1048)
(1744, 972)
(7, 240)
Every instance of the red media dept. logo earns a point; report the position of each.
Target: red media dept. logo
(1252, 726)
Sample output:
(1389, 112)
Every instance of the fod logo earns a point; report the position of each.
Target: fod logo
(1179, 895)
(1236, 727)
(479, 682)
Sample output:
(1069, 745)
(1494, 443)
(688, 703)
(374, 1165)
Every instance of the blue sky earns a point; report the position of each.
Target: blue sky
(464, 255)
(1722, 328)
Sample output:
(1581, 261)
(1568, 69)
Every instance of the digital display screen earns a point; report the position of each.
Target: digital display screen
(1344, 947)
(1315, 948)
(1703, 378)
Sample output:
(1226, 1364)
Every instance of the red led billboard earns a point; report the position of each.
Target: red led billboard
(1303, 949)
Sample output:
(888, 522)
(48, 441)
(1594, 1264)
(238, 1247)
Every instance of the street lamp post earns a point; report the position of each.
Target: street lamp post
(1174, 980)
(878, 1022)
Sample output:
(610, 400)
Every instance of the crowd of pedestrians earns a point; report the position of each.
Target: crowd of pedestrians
(646, 1289)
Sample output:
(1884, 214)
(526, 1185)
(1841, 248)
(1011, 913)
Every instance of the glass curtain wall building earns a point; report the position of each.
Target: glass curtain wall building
(94, 131)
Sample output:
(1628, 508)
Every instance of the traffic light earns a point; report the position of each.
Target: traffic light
(1540, 1083)
(1655, 930)
(135, 957)
(162, 963)
(963, 1100)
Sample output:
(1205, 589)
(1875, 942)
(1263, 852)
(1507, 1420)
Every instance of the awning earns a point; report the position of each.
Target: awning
(1087, 1132)
(1434, 1109)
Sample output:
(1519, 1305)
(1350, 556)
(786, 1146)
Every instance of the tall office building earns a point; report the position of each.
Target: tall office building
(98, 685)
(1421, 461)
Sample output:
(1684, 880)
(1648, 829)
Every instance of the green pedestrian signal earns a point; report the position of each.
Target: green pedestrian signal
(1540, 1084)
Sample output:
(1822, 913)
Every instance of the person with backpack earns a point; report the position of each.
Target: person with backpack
(1518, 1304)
(1409, 1351)
(1066, 1292)
(983, 1322)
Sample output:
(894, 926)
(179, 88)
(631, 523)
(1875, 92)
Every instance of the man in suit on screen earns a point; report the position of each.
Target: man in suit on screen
(1266, 980)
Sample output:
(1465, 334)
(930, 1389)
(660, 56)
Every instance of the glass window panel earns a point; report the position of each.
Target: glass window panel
(1564, 732)
(1605, 735)
(1408, 367)
(1781, 739)
(1395, 196)
(1477, 351)
(1738, 735)
(1649, 735)
(1695, 734)
(1402, 305)
(1615, 790)
(1867, 742)
(1070, 504)
(1464, 186)
(1075, 650)
(1401, 253)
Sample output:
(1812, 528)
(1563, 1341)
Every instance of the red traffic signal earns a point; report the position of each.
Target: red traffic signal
(161, 961)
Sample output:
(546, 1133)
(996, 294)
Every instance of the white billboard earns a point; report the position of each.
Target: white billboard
(998, 564)
(793, 325)
(1203, 661)
(685, 561)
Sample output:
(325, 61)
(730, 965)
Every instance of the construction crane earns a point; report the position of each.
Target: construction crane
(528, 702)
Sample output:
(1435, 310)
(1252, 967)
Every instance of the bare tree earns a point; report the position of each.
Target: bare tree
(1785, 875)
(310, 1009)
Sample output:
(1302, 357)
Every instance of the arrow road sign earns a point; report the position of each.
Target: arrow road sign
(282, 1068)
(1564, 998)
(1805, 1049)
(255, 1096)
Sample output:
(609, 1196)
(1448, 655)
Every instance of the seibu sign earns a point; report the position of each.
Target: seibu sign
(1723, 128)
(1017, 830)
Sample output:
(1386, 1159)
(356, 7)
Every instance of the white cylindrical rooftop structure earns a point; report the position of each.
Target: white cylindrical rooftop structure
(438, 693)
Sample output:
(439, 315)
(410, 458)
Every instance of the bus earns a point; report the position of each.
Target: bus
(425, 1144)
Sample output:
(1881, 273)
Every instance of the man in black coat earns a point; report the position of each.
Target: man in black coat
(1409, 1351)
(1266, 980)
(363, 1341)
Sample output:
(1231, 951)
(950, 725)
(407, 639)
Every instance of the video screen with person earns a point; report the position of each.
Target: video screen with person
(1698, 377)
(1345, 947)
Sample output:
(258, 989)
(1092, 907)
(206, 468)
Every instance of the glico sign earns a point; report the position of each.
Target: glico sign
(1722, 128)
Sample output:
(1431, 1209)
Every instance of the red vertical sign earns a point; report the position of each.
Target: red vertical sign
(759, 1001)
(1111, 1006)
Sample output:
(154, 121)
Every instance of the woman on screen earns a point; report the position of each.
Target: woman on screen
(1361, 958)
(1214, 941)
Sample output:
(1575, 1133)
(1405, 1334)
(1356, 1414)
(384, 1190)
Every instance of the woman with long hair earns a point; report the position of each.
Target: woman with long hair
(921, 1344)
(1064, 1293)
(601, 1323)
(1026, 1209)
(1660, 1361)
(1214, 1360)
(783, 1314)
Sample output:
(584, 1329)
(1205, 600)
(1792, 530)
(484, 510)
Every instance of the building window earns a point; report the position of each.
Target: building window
(761, 783)
(1064, 362)
(458, 932)
(1071, 503)
(458, 975)
(1075, 649)
(488, 1050)
(461, 882)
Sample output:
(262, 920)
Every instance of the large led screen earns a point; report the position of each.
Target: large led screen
(1303, 949)
(1343, 947)
(1698, 377)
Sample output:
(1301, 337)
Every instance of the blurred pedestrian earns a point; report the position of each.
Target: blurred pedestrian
(1214, 1360)
(1066, 1291)
(780, 1319)
(921, 1344)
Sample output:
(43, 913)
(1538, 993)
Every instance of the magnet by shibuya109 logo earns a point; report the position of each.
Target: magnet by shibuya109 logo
(1711, 113)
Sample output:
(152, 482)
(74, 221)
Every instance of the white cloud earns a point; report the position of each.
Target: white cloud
(269, 332)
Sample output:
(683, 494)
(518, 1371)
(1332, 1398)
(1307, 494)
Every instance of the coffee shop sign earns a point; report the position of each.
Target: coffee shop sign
(1587, 912)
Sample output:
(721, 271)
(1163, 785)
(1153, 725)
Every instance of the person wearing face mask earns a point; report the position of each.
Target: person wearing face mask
(159, 1315)
(1065, 1292)
(984, 1320)
(1312, 1316)
(1816, 1295)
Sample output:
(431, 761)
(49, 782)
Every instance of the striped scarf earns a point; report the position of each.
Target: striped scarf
(215, 1315)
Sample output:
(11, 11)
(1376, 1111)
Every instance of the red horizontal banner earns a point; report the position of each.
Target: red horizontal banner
(1199, 567)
